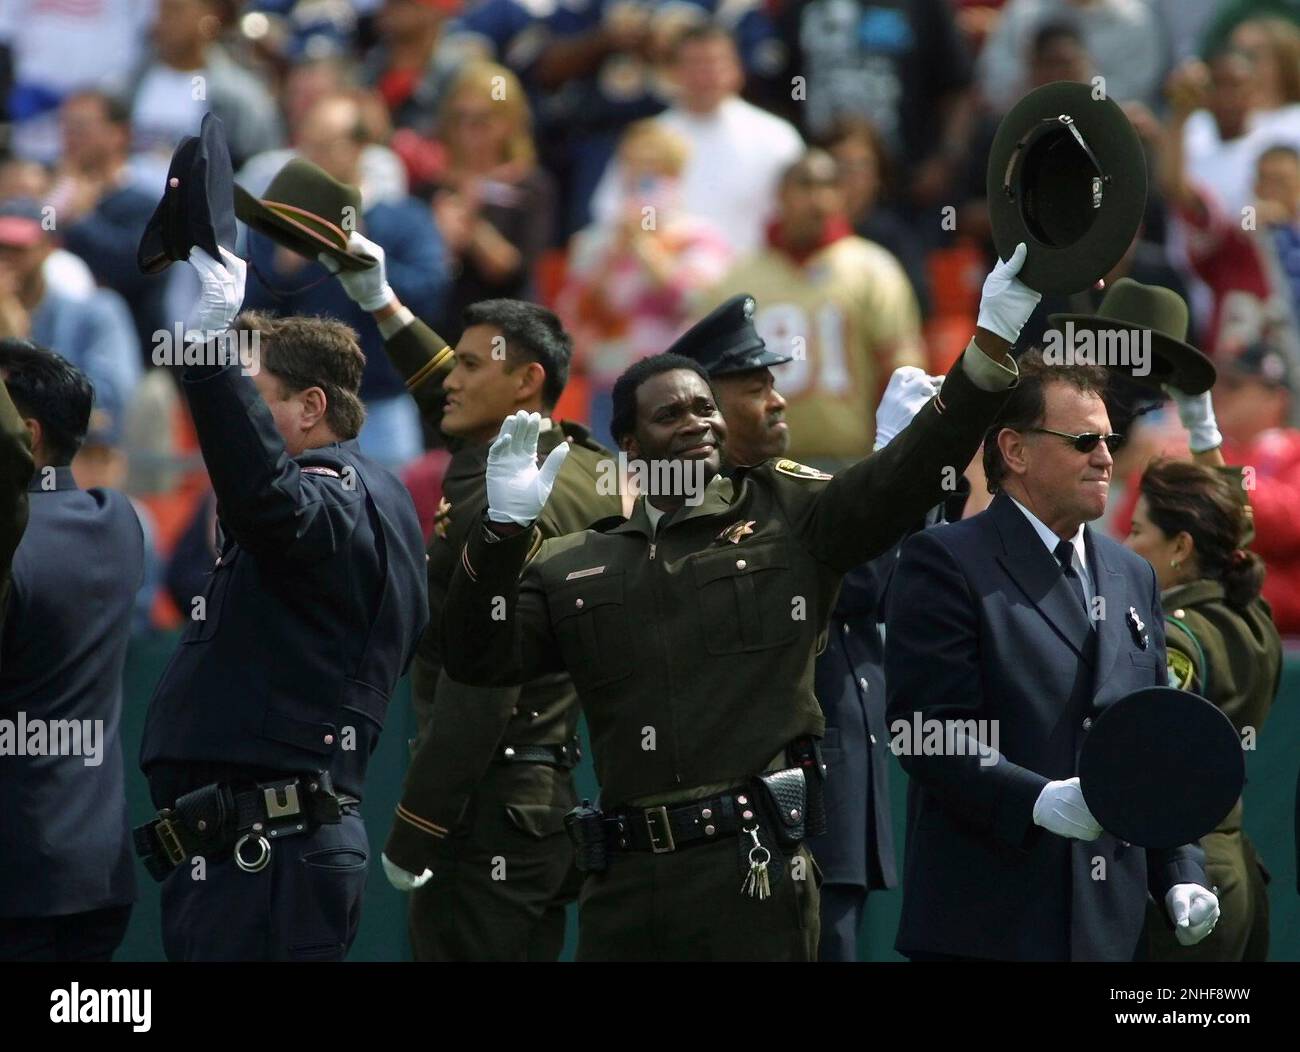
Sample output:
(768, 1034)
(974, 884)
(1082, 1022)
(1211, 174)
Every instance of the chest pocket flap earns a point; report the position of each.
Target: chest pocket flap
(590, 619)
(746, 597)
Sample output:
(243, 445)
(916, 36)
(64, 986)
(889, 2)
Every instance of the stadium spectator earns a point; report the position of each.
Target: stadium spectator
(1125, 38)
(1252, 401)
(903, 67)
(1273, 45)
(332, 137)
(493, 204)
(632, 279)
(58, 48)
(866, 172)
(382, 175)
(188, 75)
(63, 271)
(100, 214)
(841, 306)
(93, 332)
(737, 151)
(406, 65)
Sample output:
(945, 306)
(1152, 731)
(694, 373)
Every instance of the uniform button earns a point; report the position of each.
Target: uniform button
(537, 715)
(740, 564)
(707, 813)
(742, 800)
(509, 751)
(794, 814)
(845, 629)
(1180, 613)
(578, 603)
(1087, 723)
(709, 830)
(873, 739)
(623, 842)
(329, 739)
(747, 815)
(864, 684)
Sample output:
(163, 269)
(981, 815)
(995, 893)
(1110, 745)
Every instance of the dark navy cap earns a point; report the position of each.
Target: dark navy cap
(1266, 363)
(725, 341)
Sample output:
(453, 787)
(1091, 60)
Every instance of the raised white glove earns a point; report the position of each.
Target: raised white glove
(1194, 911)
(369, 288)
(402, 879)
(1006, 302)
(1197, 414)
(516, 487)
(1061, 809)
(908, 391)
(222, 290)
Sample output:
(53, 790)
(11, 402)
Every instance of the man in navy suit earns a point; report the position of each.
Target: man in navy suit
(68, 881)
(1007, 634)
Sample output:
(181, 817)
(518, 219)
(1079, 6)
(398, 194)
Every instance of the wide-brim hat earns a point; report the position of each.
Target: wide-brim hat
(1133, 306)
(1067, 176)
(1161, 767)
(307, 211)
(197, 206)
(725, 340)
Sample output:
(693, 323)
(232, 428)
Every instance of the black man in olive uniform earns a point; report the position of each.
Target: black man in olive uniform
(691, 631)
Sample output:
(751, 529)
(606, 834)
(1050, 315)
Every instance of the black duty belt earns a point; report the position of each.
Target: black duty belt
(566, 755)
(672, 827)
(221, 818)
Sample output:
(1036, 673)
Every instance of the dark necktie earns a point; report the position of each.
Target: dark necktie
(1065, 556)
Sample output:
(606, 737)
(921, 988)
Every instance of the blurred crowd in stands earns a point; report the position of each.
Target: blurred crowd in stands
(631, 163)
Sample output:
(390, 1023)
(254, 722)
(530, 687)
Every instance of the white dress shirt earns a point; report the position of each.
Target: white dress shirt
(1080, 559)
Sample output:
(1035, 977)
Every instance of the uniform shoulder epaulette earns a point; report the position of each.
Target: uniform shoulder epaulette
(609, 522)
(799, 471)
(320, 469)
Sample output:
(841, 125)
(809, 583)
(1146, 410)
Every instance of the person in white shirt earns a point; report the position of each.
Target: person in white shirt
(737, 151)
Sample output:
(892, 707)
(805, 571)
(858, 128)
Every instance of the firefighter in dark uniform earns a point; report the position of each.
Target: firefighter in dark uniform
(491, 779)
(260, 730)
(1192, 523)
(690, 630)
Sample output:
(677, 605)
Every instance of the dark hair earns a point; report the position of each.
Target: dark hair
(847, 129)
(49, 389)
(117, 111)
(313, 352)
(1028, 402)
(1053, 30)
(701, 31)
(1182, 496)
(533, 334)
(623, 421)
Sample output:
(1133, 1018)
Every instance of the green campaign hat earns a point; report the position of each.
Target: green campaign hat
(1133, 306)
(1067, 176)
(1161, 767)
(306, 210)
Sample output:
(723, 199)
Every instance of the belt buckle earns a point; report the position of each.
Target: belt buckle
(165, 831)
(661, 814)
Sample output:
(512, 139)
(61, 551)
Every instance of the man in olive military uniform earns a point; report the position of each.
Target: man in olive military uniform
(691, 629)
(491, 779)
(16, 468)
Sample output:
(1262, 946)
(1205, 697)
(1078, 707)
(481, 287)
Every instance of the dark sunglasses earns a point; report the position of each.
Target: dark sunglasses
(1084, 443)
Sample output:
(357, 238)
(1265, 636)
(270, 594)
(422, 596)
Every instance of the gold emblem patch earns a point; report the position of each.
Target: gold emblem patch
(736, 531)
(442, 518)
(1181, 670)
(799, 471)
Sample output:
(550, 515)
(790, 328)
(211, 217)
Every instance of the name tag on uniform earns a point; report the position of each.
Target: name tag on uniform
(585, 573)
(320, 469)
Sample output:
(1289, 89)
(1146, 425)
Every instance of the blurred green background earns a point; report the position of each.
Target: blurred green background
(1270, 822)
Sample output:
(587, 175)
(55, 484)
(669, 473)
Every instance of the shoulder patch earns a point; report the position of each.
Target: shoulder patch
(1182, 671)
(799, 471)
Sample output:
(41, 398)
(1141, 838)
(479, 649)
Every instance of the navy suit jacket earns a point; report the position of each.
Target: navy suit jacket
(984, 626)
(64, 837)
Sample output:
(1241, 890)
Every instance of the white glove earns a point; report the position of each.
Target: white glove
(401, 879)
(222, 290)
(369, 288)
(908, 391)
(1006, 302)
(1194, 911)
(1197, 414)
(1061, 809)
(516, 488)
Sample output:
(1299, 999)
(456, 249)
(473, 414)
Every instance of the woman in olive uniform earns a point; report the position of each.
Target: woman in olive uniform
(1190, 523)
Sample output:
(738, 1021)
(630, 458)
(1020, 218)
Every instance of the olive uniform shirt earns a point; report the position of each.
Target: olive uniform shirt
(692, 646)
(462, 728)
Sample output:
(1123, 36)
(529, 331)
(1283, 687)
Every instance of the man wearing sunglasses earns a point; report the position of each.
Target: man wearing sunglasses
(1017, 627)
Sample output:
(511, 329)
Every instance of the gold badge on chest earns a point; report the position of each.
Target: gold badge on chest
(442, 518)
(736, 531)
